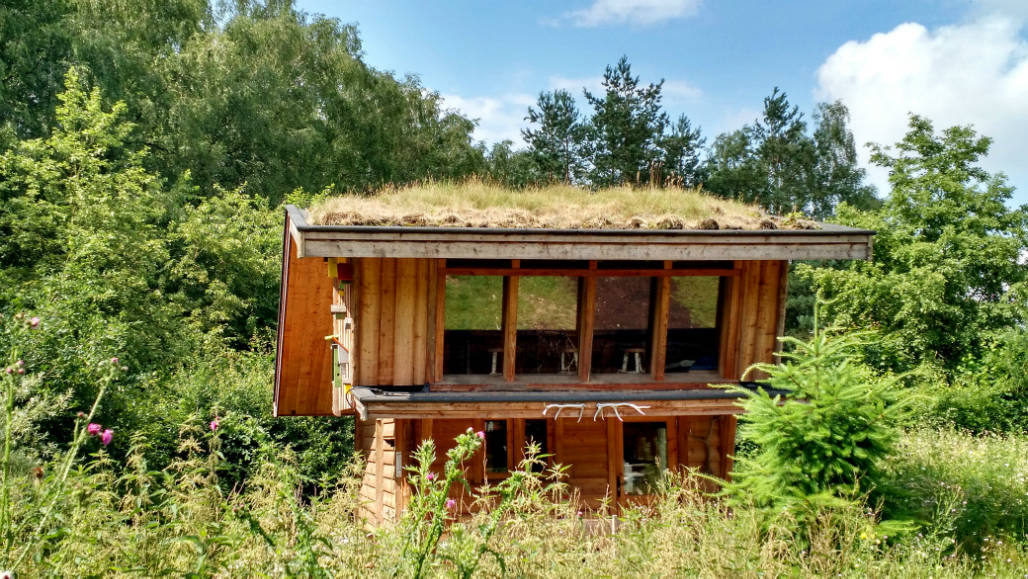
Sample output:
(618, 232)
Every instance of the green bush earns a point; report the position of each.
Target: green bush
(821, 444)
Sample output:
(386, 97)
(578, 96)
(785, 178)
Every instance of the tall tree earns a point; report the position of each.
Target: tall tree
(556, 143)
(836, 175)
(785, 153)
(680, 150)
(732, 167)
(626, 122)
(947, 269)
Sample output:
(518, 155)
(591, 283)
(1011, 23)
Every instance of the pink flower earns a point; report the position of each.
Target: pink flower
(93, 428)
(20, 363)
(114, 360)
(450, 504)
(480, 434)
(430, 476)
(9, 370)
(107, 436)
(21, 370)
(214, 424)
(34, 322)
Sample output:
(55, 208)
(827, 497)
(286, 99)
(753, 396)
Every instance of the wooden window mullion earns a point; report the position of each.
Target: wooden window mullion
(659, 325)
(510, 325)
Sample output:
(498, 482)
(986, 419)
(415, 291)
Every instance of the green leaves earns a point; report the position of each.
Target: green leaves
(946, 268)
(822, 442)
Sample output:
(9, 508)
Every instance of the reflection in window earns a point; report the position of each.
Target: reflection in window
(621, 326)
(645, 456)
(692, 338)
(496, 446)
(547, 339)
(473, 339)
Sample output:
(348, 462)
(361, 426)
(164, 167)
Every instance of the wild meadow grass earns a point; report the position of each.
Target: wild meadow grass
(124, 519)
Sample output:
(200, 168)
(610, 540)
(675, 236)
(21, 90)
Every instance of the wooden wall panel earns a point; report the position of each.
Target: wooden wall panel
(369, 280)
(404, 321)
(760, 309)
(585, 447)
(303, 365)
(395, 321)
(386, 321)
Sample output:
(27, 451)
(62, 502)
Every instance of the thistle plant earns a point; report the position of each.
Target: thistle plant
(18, 380)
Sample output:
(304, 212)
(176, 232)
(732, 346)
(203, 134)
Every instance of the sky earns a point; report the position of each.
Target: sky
(954, 62)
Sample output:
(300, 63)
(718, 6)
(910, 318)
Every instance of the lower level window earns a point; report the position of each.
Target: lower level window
(496, 446)
(645, 456)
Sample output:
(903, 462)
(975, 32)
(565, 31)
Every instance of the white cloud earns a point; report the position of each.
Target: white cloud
(498, 118)
(634, 12)
(679, 90)
(972, 73)
(574, 85)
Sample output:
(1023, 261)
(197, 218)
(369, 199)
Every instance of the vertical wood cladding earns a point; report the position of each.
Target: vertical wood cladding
(303, 374)
(752, 317)
(393, 329)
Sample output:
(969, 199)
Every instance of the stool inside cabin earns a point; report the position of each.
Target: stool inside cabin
(637, 353)
(496, 354)
(569, 360)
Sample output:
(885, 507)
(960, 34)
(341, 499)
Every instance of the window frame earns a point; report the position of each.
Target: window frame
(660, 273)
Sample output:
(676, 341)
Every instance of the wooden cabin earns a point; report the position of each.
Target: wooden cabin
(610, 348)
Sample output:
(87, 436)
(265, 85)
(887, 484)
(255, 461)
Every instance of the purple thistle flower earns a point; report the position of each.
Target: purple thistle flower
(34, 322)
(20, 363)
(430, 476)
(114, 360)
(106, 437)
(93, 429)
(450, 504)
(480, 434)
(214, 424)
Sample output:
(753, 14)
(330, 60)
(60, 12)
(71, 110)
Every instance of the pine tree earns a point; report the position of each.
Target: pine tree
(624, 128)
(556, 144)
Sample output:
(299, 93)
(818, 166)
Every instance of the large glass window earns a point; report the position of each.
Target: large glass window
(473, 338)
(692, 329)
(547, 339)
(645, 456)
(621, 326)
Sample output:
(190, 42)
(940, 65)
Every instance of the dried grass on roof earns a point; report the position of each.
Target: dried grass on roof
(475, 204)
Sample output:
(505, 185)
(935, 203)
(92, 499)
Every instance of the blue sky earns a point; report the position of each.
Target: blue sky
(956, 62)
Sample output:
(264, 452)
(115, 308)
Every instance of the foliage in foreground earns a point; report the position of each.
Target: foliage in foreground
(820, 444)
(125, 518)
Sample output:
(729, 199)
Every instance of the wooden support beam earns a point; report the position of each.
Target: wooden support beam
(510, 326)
(661, 319)
(586, 323)
(439, 317)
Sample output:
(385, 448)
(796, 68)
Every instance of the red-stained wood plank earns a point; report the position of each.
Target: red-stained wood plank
(303, 377)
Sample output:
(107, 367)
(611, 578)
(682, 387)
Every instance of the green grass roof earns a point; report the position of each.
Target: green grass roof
(475, 204)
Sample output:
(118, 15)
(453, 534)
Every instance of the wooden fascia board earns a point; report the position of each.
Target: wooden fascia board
(832, 242)
(507, 410)
(297, 221)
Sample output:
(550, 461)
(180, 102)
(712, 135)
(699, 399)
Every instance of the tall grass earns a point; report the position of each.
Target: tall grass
(125, 519)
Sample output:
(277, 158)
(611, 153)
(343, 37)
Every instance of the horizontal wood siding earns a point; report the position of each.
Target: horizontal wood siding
(379, 486)
(585, 447)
